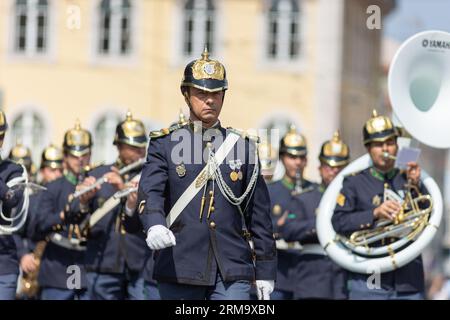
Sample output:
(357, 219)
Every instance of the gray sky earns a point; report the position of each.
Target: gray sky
(412, 16)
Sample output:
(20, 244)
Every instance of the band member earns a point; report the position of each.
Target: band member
(31, 245)
(316, 275)
(360, 206)
(198, 208)
(115, 259)
(293, 156)
(62, 275)
(10, 199)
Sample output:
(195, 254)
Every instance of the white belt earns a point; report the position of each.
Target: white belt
(313, 249)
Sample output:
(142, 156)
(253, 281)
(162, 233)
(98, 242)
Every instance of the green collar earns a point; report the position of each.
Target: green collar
(322, 188)
(288, 184)
(71, 177)
(383, 176)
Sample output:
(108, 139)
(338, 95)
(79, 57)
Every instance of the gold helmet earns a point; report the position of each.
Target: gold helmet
(22, 155)
(268, 157)
(205, 74)
(378, 128)
(293, 143)
(131, 131)
(335, 152)
(52, 157)
(3, 123)
(77, 141)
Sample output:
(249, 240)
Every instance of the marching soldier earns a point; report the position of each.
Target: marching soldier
(62, 274)
(10, 200)
(293, 155)
(30, 245)
(360, 205)
(198, 208)
(115, 258)
(316, 275)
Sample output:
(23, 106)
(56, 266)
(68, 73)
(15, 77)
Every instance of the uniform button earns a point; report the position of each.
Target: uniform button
(212, 224)
(361, 226)
(368, 225)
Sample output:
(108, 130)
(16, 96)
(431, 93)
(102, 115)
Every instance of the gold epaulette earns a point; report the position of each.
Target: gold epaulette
(165, 131)
(244, 134)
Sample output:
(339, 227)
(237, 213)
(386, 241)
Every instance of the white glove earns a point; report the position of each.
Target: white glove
(159, 237)
(264, 288)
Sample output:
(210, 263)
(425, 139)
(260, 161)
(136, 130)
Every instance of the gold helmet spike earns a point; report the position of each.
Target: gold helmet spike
(205, 54)
(335, 152)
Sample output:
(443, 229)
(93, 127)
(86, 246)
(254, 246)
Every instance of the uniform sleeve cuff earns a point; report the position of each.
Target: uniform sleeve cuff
(266, 270)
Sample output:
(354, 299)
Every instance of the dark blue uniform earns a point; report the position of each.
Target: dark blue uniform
(9, 266)
(281, 197)
(207, 247)
(110, 249)
(316, 276)
(57, 256)
(360, 195)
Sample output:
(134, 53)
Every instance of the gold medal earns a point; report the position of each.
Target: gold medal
(181, 170)
(276, 210)
(234, 176)
(376, 200)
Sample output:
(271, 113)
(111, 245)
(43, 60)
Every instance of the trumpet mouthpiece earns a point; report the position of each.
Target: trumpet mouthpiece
(389, 156)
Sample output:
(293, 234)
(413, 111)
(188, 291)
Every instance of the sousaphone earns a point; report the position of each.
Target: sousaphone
(419, 90)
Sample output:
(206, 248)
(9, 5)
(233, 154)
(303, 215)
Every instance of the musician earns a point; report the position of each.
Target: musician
(11, 200)
(293, 155)
(62, 275)
(26, 238)
(202, 240)
(316, 276)
(115, 259)
(360, 205)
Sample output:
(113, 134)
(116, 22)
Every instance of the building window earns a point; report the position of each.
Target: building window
(115, 28)
(199, 27)
(283, 40)
(31, 26)
(28, 127)
(104, 131)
